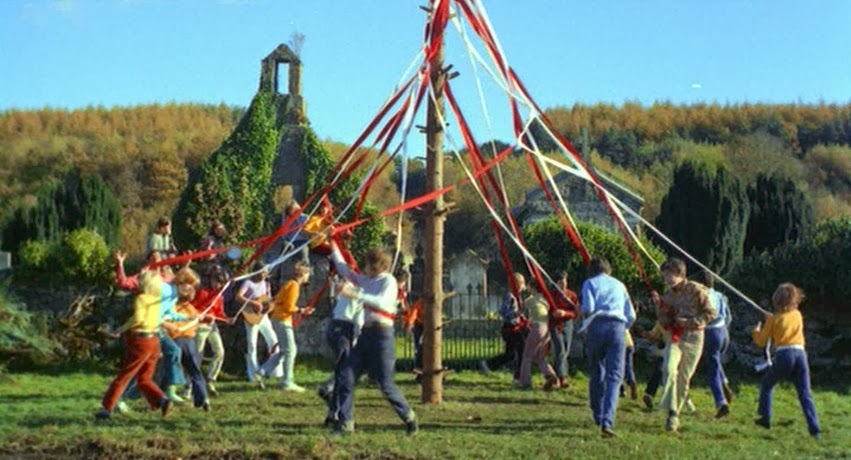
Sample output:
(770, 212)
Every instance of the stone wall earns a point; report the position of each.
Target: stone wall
(288, 169)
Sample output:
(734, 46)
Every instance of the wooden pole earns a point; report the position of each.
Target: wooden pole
(432, 377)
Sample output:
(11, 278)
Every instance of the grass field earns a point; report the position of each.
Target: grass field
(51, 416)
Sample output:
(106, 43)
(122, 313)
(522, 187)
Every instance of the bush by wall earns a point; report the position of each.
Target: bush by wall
(550, 245)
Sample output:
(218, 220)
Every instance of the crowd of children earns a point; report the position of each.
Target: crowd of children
(175, 315)
(693, 322)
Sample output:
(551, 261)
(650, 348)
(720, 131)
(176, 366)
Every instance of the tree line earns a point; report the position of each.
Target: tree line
(147, 154)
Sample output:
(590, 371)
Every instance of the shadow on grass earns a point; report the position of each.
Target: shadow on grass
(63, 368)
(11, 399)
(42, 421)
(513, 399)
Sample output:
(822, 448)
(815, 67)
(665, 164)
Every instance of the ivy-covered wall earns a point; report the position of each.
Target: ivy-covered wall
(234, 184)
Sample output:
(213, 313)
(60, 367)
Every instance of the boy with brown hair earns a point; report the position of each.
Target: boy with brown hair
(683, 311)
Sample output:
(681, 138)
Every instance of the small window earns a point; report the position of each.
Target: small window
(282, 73)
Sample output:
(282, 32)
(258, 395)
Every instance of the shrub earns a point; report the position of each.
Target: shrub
(21, 338)
(820, 264)
(552, 248)
(85, 257)
(37, 255)
(81, 257)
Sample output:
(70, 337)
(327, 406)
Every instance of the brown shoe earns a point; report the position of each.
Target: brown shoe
(166, 407)
(551, 384)
(563, 383)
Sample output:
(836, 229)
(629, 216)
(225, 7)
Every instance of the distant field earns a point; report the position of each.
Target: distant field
(483, 417)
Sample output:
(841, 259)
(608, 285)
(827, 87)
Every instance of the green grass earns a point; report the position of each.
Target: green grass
(52, 416)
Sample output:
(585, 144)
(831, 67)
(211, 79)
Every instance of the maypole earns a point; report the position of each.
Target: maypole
(435, 214)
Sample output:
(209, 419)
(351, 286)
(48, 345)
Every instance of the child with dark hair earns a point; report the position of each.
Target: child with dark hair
(160, 240)
(657, 337)
(513, 331)
(208, 298)
(253, 296)
(785, 329)
(629, 368)
(561, 327)
(412, 318)
(608, 313)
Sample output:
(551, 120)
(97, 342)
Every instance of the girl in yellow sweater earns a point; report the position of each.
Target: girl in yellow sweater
(785, 329)
(283, 309)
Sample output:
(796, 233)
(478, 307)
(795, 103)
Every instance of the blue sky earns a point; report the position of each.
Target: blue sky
(74, 53)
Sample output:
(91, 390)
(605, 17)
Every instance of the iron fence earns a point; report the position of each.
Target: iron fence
(471, 332)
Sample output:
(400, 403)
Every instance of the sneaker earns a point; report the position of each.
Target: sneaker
(723, 411)
(123, 408)
(206, 406)
(103, 414)
(763, 422)
(563, 383)
(728, 392)
(633, 391)
(211, 389)
(690, 406)
(171, 394)
(329, 422)
(293, 388)
(483, 368)
(672, 424)
(411, 426)
(166, 407)
(607, 432)
(343, 428)
(258, 380)
(648, 401)
(816, 436)
(187, 392)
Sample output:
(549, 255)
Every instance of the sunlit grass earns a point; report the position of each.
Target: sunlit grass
(482, 417)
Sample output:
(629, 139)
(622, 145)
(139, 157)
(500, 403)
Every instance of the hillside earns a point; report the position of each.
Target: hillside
(142, 152)
(146, 152)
